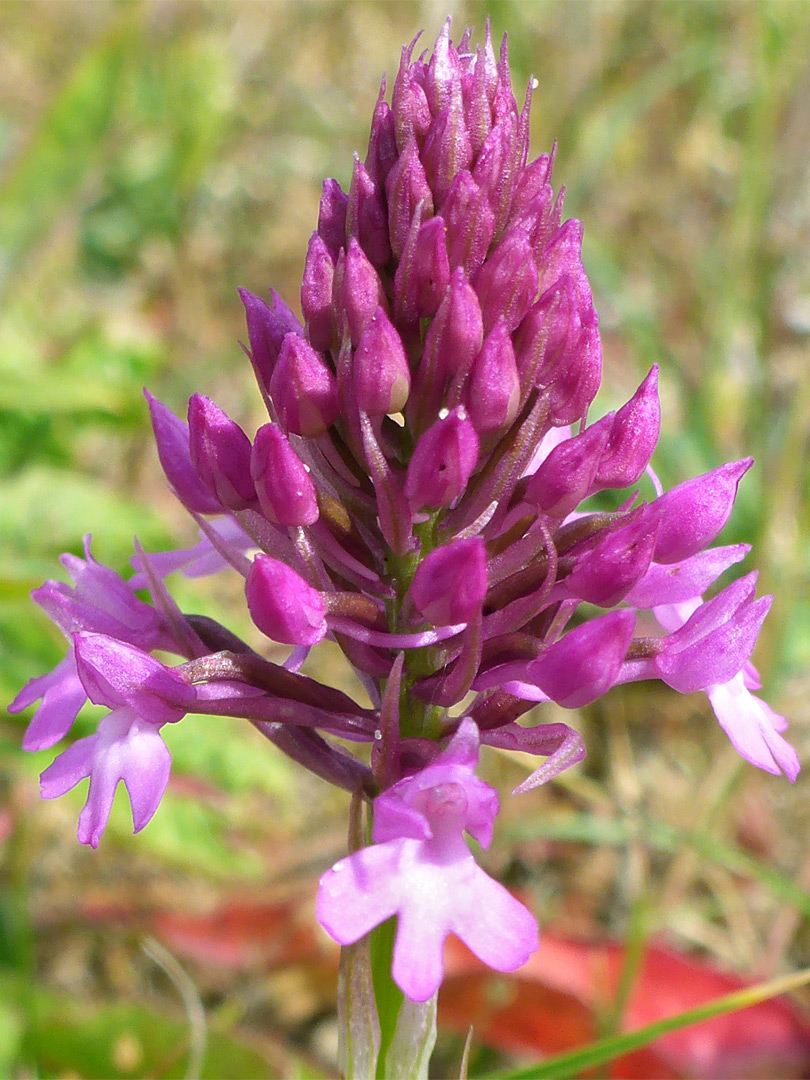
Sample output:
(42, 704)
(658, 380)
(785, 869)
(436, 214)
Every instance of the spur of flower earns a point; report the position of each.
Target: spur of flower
(421, 495)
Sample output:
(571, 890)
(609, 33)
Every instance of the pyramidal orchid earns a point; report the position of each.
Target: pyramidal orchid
(419, 495)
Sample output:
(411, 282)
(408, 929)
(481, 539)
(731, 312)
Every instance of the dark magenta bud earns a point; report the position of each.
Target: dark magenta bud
(382, 142)
(507, 282)
(494, 170)
(564, 478)
(470, 223)
(693, 513)
(267, 327)
(557, 346)
(633, 437)
(286, 492)
(563, 256)
(605, 572)
(586, 662)
(357, 290)
(303, 389)
(423, 273)
(447, 150)
(406, 187)
(493, 392)
(283, 605)
(532, 183)
(409, 102)
(577, 380)
(443, 461)
(477, 110)
(172, 438)
(451, 582)
(366, 216)
(332, 217)
(316, 294)
(443, 81)
(381, 376)
(220, 451)
(456, 333)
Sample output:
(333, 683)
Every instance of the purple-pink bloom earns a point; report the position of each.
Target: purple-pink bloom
(715, 642)
(143, 695)
(101, 601)
(753, 727)
(421, 870)
(125, 747)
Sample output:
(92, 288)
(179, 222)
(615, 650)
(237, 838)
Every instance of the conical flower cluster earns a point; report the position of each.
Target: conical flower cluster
(419, 494)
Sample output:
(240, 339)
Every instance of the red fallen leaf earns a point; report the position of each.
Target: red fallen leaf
(766, 1040)
(239, 935)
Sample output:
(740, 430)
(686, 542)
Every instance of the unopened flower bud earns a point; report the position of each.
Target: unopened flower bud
(443, 82)
(409, 103)
(366, 216)
(406, 187)
(477, 111)
(633, 437)
(172, 438)
(303, 389)
(563, 256)
(443, 461)
(382, 142)
(332, 217)
(316, 294)
(494, 169)
(604, 573)
(358, 290)
(575, 385)
(451, 582)
(547, 338)
(423, 273)
(585, 663)
(286, 492)
(470, 223)
(694, 512)
(283, 605)
(507, 282)
(563, 479)
(220, 451)
(267, 327)
(381, 376)
(493, 392)
(447, 150)
(532, 183)
(456, 333)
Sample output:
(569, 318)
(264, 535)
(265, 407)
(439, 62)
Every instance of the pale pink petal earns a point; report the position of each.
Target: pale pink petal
(62, 696)
(753, 728)
(493, 924)
(361, 891)
(418, 964)
(71, 767)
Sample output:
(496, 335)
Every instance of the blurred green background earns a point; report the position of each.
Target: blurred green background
(155, 156)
